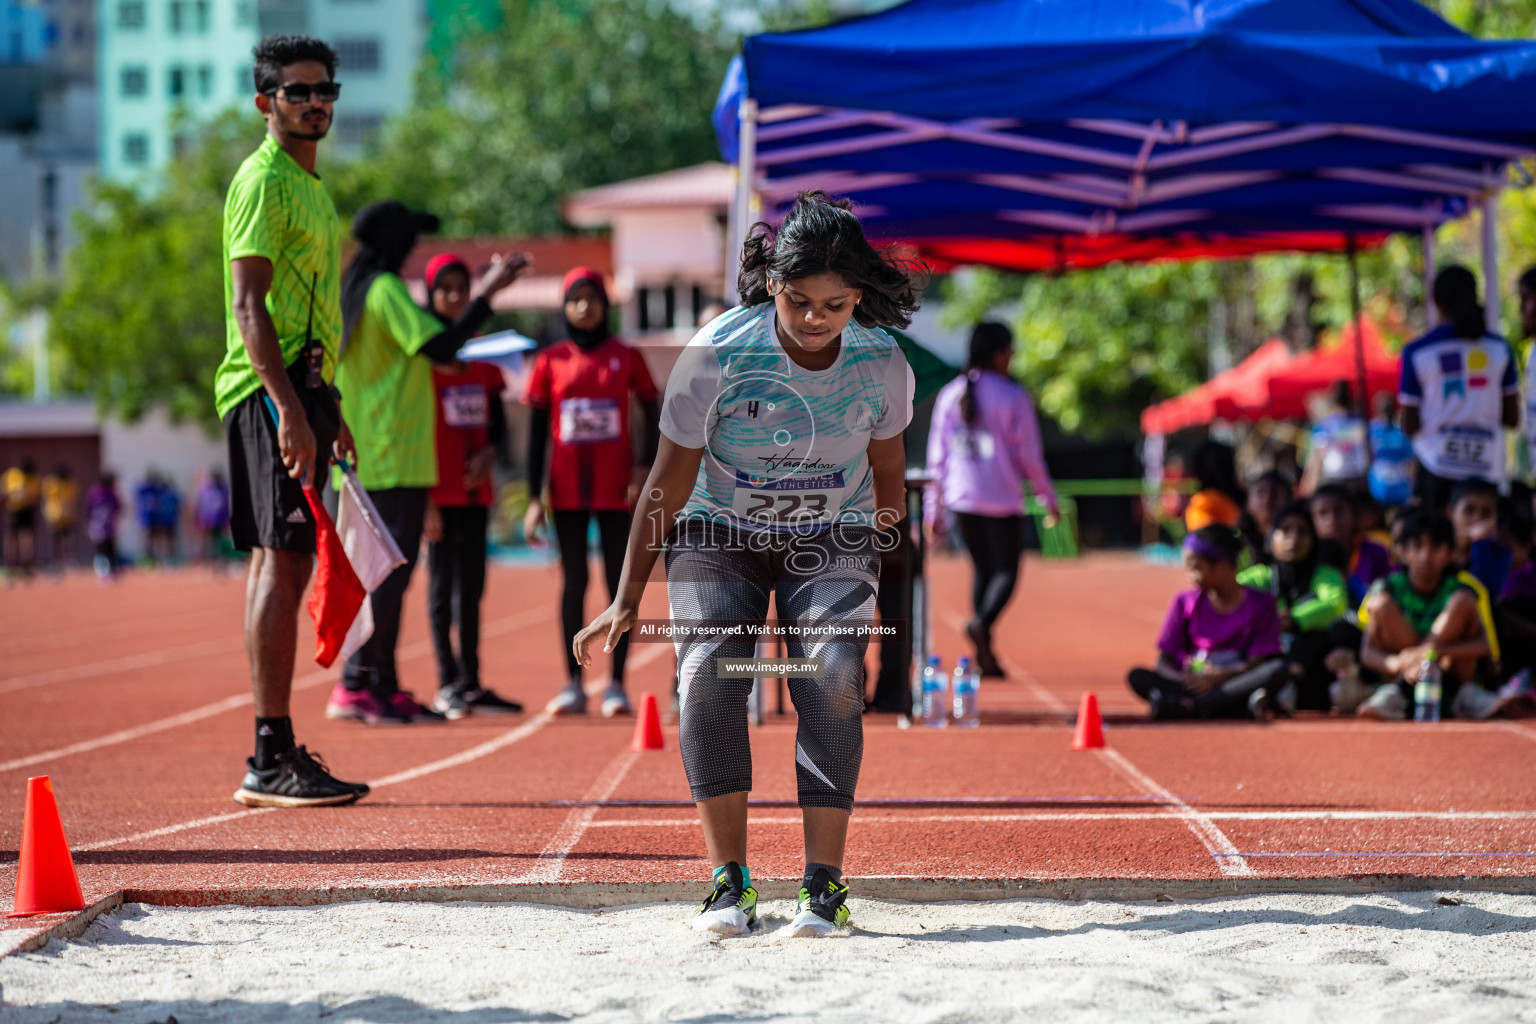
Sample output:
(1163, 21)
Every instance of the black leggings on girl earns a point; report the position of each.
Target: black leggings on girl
(571, 537)
(996, 545)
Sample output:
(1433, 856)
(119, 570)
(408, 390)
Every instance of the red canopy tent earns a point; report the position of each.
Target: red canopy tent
(1323, 368)
(1271, 384)
(1218, 397)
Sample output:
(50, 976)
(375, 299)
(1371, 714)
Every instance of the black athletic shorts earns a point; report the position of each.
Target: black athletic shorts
(23, 519)
(267, 507)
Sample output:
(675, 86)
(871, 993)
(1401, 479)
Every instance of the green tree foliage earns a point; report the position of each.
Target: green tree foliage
(140, 316)
(561, 96)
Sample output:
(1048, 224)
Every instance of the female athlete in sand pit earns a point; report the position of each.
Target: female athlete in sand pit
(780, 471)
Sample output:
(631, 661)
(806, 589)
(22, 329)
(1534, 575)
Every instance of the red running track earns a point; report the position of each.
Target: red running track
(134, 699)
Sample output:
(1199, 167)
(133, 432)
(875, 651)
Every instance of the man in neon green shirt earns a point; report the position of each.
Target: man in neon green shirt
(282, 257)
(385, 371)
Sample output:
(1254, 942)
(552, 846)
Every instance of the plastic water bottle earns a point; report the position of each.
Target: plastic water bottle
(935, 708)
(1426, 692)
(967, 695)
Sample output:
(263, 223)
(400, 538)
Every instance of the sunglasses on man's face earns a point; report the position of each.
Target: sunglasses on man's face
(303, 92)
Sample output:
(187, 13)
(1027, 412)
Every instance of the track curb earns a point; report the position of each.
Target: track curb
(599, 895)
(57, 926)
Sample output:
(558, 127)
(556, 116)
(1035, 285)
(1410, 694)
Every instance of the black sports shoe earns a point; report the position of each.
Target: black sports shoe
(986, 660)
(483, 701)
(300, 779)
(822, 907)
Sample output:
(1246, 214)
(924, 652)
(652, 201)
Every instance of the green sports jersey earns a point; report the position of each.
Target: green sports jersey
(277, 210)
(386, 389)
(1420, 609)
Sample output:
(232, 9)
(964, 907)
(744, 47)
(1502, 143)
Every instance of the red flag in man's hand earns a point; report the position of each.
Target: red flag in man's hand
(338, 594)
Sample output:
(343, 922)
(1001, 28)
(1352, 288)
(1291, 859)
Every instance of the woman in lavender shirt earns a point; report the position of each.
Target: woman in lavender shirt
(984, 442)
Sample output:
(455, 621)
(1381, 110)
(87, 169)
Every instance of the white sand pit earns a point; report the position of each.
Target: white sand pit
(1390, 957)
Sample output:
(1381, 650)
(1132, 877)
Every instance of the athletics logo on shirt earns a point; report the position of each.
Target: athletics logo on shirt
(1457, 376)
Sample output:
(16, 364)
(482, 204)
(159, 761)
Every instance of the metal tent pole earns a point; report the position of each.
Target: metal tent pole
(1491, 260)
(1362, 386)
(740, 218)
(1427, 248)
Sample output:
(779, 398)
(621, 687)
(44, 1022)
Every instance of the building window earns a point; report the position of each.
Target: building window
(355, 129)
(357, 54)
(244, 14)
(245, 81)
(130, 14)
(176, 83)
(135, 81)
(136, 148)
(205, 81)
(657, 308)
(200, 16)
(177, 12)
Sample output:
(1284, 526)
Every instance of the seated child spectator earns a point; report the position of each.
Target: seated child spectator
(1219, 650)
(1424, 607)
(1266, 496)
(1219, 501)
(1310, 597)
(1335, 513)
(1474, 512)
(1514, 611)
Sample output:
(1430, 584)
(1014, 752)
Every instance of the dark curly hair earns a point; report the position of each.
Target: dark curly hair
(820, 235)
(274, 53)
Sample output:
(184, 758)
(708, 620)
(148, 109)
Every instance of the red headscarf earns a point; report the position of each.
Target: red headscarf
(441, 262)
(599, 334)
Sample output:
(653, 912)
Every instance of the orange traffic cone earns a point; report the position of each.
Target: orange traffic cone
(1090, 728)
(648, 725)
(46, 882)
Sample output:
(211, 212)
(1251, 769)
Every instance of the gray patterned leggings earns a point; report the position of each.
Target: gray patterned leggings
(716, 573)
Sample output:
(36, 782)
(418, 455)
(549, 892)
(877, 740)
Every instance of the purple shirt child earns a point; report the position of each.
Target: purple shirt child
(1250, 632)
(978, 468)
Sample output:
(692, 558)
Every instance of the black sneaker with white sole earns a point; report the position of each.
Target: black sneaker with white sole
(483, 701)
(299, 779)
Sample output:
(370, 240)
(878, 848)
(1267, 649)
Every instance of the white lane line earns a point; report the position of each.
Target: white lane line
(33, 642)
(1033, 685)
(506, 739)
(516, 734)
(112, 666)
(1212, 838)
(474, 753)
(1071, 816)
(155, 833)
(552, 860)
(240, 700)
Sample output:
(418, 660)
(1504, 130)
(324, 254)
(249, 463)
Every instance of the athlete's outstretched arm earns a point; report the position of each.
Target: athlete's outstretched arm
(666, 491)
(888, 463)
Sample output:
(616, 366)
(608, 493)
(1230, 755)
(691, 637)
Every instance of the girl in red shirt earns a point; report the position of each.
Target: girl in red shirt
(579, 391)
(471, 431)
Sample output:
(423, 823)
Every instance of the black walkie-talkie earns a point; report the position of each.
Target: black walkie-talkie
(314, 351)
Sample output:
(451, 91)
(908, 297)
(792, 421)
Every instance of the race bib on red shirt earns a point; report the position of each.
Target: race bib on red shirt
(589, 420)
(465, 405)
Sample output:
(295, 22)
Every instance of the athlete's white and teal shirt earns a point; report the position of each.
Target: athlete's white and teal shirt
(784, 447)
(1458, 385)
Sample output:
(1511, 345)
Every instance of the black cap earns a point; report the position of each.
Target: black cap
(378, 223)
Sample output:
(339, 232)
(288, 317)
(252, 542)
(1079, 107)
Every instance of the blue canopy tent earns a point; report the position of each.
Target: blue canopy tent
(1040, 134)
